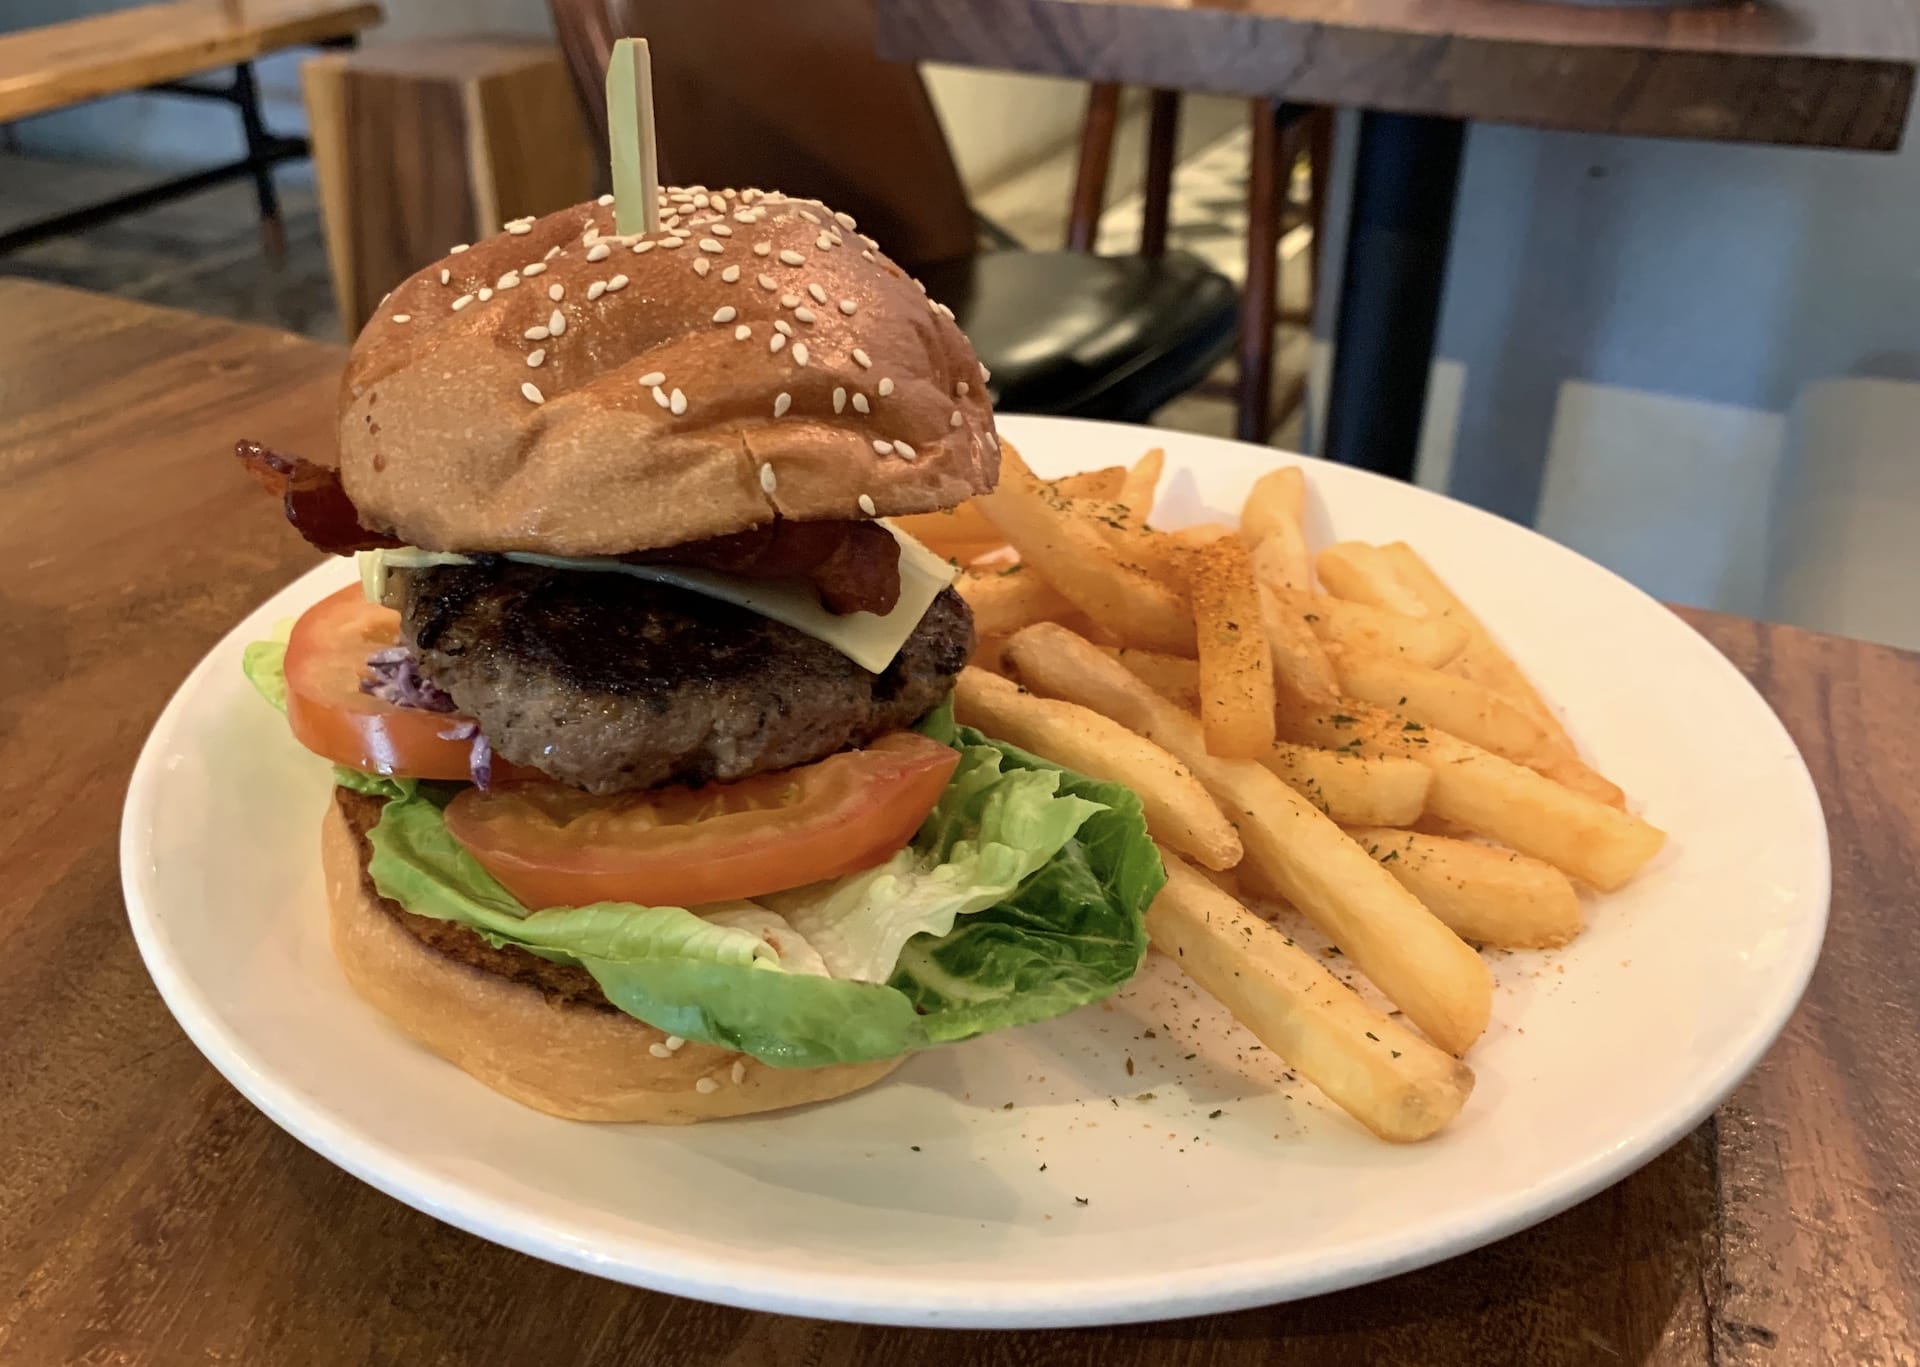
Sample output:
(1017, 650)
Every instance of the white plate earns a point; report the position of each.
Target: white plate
(951, 1193)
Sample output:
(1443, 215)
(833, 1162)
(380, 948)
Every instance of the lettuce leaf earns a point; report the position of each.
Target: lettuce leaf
(265, 665)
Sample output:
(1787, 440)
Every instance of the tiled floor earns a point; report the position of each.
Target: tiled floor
(204, 253)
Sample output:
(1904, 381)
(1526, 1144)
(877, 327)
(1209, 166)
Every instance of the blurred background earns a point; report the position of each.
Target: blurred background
(1697, 363)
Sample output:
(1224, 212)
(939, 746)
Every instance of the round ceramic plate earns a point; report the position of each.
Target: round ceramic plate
(1135, 1160)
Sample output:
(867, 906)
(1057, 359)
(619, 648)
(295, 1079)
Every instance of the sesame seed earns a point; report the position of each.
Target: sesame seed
(700, 201)
(682, 233)
(556, 292)
(819, 295)
(720, 230)
(660, 397)
(659, 1050)
(679, 403)
(861, 358)
(902, 449)
(866, 256)
(667, 244)
(918, 285)
(726, 313)
(986, 376)
(804, 314)
(462, 302)
(643, 246)
(532, 392)
(860, 404)
(507, 281)
(706, 1086)
(652, 377)
(799, 353)
(789, 301)
(730, 274)
(961, 389)
(743, 215)
(675, 1042)
(866, 504)
(767, 283)
(789, 257)
(533, 268)
(955, 420)
(824, 242)
(556, 323)
(456, 249)
(845, 221)
(738, 1072)
(535, 334)
(701, 265)
(839, 398)
(537, 355)
(403, 317)
(711, 244)
(741, 333)
(519, 229)
(762, 248)
(595, 290)
(445, 275)
(483, 294)
(808, 214)
(767, 482)
(779, 340)
(618, 283)
(781, 403)
(847, 306)
(783, 327)
(886, 386)
(882, 448)
(551, 253)
(599, 251)
(604, 201)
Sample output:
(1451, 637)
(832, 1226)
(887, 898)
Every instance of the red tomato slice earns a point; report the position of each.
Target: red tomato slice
(554, 846)
(326, 660)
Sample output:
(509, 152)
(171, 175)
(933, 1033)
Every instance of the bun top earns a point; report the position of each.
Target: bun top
(563, 389)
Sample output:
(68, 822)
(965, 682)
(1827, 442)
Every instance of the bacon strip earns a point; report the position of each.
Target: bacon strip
(855, 566)
(316, 503)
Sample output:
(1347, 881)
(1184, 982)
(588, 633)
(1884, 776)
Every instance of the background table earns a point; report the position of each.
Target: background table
(1815, 73)
(149, 1215)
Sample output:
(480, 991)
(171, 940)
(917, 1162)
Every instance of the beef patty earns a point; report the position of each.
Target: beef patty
(613, 683)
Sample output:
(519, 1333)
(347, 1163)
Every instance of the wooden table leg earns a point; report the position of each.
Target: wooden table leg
(1096, 154)
(1270, 165)
(1405, 179)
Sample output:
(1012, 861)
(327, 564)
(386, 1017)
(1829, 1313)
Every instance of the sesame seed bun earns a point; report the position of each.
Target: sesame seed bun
(755, 358)
(568, 1058)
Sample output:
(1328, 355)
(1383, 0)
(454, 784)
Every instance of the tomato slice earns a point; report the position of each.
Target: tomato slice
(326, 660)
(554, 846)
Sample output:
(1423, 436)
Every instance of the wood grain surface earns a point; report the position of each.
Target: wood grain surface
(55, 65)
(1825, 73)
(149, 1215)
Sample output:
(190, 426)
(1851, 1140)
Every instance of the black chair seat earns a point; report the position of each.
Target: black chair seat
(1090, 336)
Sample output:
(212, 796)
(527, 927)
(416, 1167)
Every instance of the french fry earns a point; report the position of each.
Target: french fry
(1104, 483)
(1390, 1080)
(1483, 660)
(1424, 968)
(1003, 601)
(1426, 641)
(1142, 483)
(1489, 896)
(1178, 810)
(1302, 673)
(1363, 574)
(1074, 558)
(989, 654)
(963, 525)
(1483, 793)
(1354, 790)
(1200, 533)
(1281, 561)
(1155, 554)
(1473, 712)
(1236, 665)
(1272, 522)
(1171, 676)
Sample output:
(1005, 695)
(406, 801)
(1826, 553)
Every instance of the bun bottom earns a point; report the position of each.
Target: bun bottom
(576, 1061)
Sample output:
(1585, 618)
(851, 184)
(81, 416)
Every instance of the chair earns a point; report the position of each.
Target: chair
(791, 96)
(1279, 132)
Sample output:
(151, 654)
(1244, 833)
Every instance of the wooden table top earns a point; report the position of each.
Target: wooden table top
(1824, 73)
(150, 1215)
(54, 65)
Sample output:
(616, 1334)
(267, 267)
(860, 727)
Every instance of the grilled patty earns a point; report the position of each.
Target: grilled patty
(612, 683)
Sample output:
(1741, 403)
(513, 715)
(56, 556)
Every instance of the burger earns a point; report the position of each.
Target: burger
(649, 804)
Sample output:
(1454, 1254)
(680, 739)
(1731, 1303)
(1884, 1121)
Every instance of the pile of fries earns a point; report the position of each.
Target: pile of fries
(1335, 731)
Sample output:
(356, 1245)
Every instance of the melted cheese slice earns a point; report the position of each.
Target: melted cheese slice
(870, 640)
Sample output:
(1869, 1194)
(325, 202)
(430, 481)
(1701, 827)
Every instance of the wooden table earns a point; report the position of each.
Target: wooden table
(149, 1215)
(1815, 73)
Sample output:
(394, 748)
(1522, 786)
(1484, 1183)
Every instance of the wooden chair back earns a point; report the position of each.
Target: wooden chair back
(786, 95)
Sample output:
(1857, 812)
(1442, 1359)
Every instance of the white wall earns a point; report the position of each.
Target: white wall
(998, 123)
